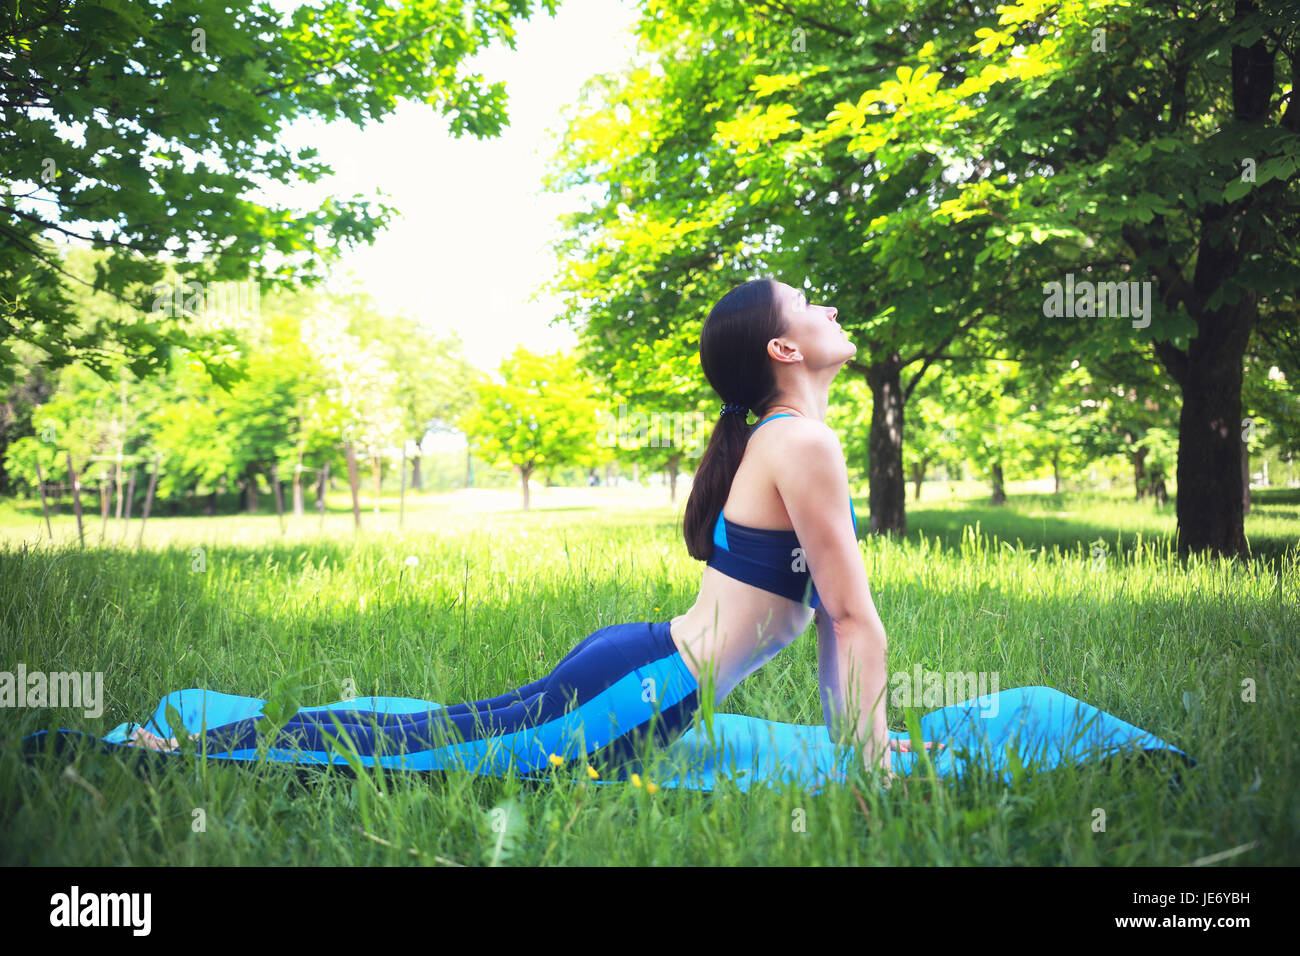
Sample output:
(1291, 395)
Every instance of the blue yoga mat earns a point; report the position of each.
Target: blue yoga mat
(1035, 727)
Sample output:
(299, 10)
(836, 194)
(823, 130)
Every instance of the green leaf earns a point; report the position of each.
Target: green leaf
(504, 825)
(1236, 190)
(175, 724)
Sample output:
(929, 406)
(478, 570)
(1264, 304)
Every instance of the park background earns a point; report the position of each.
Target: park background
(354, 330)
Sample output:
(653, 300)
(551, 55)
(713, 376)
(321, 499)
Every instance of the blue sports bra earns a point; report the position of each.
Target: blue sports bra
(764, 557)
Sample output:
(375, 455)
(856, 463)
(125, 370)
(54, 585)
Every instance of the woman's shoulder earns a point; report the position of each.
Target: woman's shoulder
(801, 434)
(804, 458)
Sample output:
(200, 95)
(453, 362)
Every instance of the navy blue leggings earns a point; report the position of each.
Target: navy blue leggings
(621, 685)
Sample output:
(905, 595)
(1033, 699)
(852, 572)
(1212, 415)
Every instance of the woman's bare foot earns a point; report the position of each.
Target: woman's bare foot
(142, 738)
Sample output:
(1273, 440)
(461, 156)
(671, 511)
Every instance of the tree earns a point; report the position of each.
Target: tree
(432, 389)
(998, 434)
(181, 104)
(1191, 183)
(361, 386)
(1270, 399)
(1134, 413)
(659, 414)
(936, 168)
(542, 413)
(700, 199)
(81, 418)
(31, 388)
(1272, 415)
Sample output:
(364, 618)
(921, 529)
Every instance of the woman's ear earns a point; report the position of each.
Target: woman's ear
(783, 350)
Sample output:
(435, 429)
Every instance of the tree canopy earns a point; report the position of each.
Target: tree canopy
(141, 129)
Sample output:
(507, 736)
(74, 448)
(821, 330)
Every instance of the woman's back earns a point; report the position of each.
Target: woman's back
(739, 626)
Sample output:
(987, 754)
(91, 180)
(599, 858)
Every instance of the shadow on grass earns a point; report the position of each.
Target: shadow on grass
(1075, 534)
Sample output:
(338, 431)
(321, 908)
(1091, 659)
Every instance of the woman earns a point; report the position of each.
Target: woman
(767, 507)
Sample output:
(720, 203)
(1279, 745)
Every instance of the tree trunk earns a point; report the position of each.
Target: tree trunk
(1245, 479)
(1156, 485)
(918, 475)
(104, 492)
(1056, 471)
(674, 463)
(130, 493)
(45, 508)
(148, 498)
(1210, 494)
(469, 468)
(1211, 498)
(525, 473)
(416, 485)
(278, 492)
(999, 488)
(250, 488)
(377, 468)
(117, 482)
(885, 449)
(321, 482)
(1140, 472)
(298, 505)
(76, 498)
(354, 482)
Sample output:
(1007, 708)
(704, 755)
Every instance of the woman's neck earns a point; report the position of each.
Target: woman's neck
(804, 407)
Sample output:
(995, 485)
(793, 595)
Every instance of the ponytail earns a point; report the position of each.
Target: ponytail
(733, 355)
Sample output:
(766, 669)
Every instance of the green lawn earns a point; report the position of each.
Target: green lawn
(499, 596)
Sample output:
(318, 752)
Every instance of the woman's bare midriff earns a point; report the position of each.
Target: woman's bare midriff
(734, 625)
(737, 628)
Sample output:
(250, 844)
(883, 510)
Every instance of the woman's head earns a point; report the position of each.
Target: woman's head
(733, 345)
(764, 334)
(756, 339)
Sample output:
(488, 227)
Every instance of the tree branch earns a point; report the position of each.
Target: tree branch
(97, 240)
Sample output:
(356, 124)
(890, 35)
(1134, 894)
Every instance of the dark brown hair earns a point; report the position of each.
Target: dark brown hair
(733, 354)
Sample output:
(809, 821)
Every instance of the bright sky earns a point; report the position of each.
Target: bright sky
(468, 249)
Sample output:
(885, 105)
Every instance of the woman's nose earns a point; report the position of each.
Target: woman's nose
(833, 314)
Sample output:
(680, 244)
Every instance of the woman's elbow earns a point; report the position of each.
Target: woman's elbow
(863, 627)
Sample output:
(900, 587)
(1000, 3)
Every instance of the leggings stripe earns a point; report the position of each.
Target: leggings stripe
(600, 700)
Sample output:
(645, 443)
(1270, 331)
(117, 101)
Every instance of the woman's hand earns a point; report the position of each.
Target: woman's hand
(899, 745)
(904, 744)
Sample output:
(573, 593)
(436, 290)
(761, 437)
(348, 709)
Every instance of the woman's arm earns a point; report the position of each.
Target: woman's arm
(841, 658)
(850, 637)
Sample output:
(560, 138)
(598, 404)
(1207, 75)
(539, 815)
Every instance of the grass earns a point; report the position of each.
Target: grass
(499, 596)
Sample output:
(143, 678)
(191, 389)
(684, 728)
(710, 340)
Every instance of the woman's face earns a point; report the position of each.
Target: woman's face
(813, 328)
